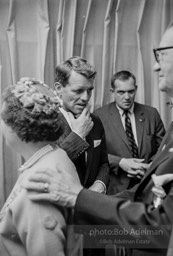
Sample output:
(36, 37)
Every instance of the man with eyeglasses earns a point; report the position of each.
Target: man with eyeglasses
(148, 207)
(158, 52)
(164, 65)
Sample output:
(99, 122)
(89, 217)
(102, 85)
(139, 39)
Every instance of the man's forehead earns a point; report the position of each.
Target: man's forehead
(127, 82)
(167, 39)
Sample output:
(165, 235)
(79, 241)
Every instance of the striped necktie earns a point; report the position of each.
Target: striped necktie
(130, 136)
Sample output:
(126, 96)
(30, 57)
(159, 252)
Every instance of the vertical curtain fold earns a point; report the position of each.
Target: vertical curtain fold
(13, 55)
(66, 29)
(73, 25)
(43, 33)
(83, 43)
(85, 28)
(106, 54)
(2, 192)
(140, 67)
(12, 42)
(117, 25)
(58, 33)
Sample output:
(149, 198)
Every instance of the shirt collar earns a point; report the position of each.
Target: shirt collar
(63, 111)
(121, 111)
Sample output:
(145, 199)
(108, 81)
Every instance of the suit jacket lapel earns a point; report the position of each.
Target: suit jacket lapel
(117, 123)
(89, 151)
(140, 120)
(66, 132)
(166, 138)
(158, 160)
(67, 128)
(161, 157)
(163, 153)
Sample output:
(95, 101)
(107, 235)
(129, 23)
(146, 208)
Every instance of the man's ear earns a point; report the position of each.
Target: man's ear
(58, 88)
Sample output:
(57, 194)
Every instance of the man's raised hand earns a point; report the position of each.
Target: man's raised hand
(83, 124)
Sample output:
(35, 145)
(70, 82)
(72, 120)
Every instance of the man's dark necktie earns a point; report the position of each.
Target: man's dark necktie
(130, 135)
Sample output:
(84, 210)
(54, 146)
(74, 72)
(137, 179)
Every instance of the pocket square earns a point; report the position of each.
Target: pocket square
(164, 146)
(96, 143)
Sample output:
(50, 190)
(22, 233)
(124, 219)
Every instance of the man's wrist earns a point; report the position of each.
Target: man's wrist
(121, 162)
(83, 138)
(75, 196)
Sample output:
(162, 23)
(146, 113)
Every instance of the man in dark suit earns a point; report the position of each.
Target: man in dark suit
(147, 128)
(84, 137)
(139, 209)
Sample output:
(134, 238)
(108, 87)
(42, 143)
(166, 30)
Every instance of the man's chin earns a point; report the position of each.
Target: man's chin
(77, 113)
(127, 106)
(162, 86)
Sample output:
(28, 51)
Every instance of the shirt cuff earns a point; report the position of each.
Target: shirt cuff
(79, 136)
(104, 186)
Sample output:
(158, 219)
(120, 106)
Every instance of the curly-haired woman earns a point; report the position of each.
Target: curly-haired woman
(31, 123)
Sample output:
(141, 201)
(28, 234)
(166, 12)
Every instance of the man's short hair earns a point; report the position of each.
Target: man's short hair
(122, 76)
(77, 64)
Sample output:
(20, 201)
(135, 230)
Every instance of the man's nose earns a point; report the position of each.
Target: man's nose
(85, 96)
(156, 66)
(127, 95)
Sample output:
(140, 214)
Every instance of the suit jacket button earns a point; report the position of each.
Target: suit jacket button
(50, 222)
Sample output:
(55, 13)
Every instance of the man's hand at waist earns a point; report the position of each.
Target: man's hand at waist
(59, 187)
(134, 167)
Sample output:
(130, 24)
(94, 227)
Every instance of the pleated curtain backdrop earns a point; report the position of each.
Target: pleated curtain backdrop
(36, 35)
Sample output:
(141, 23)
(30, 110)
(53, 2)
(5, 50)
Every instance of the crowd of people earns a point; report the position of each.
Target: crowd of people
(91, 184)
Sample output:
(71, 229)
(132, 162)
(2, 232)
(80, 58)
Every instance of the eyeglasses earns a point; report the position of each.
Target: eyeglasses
(156, 52)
